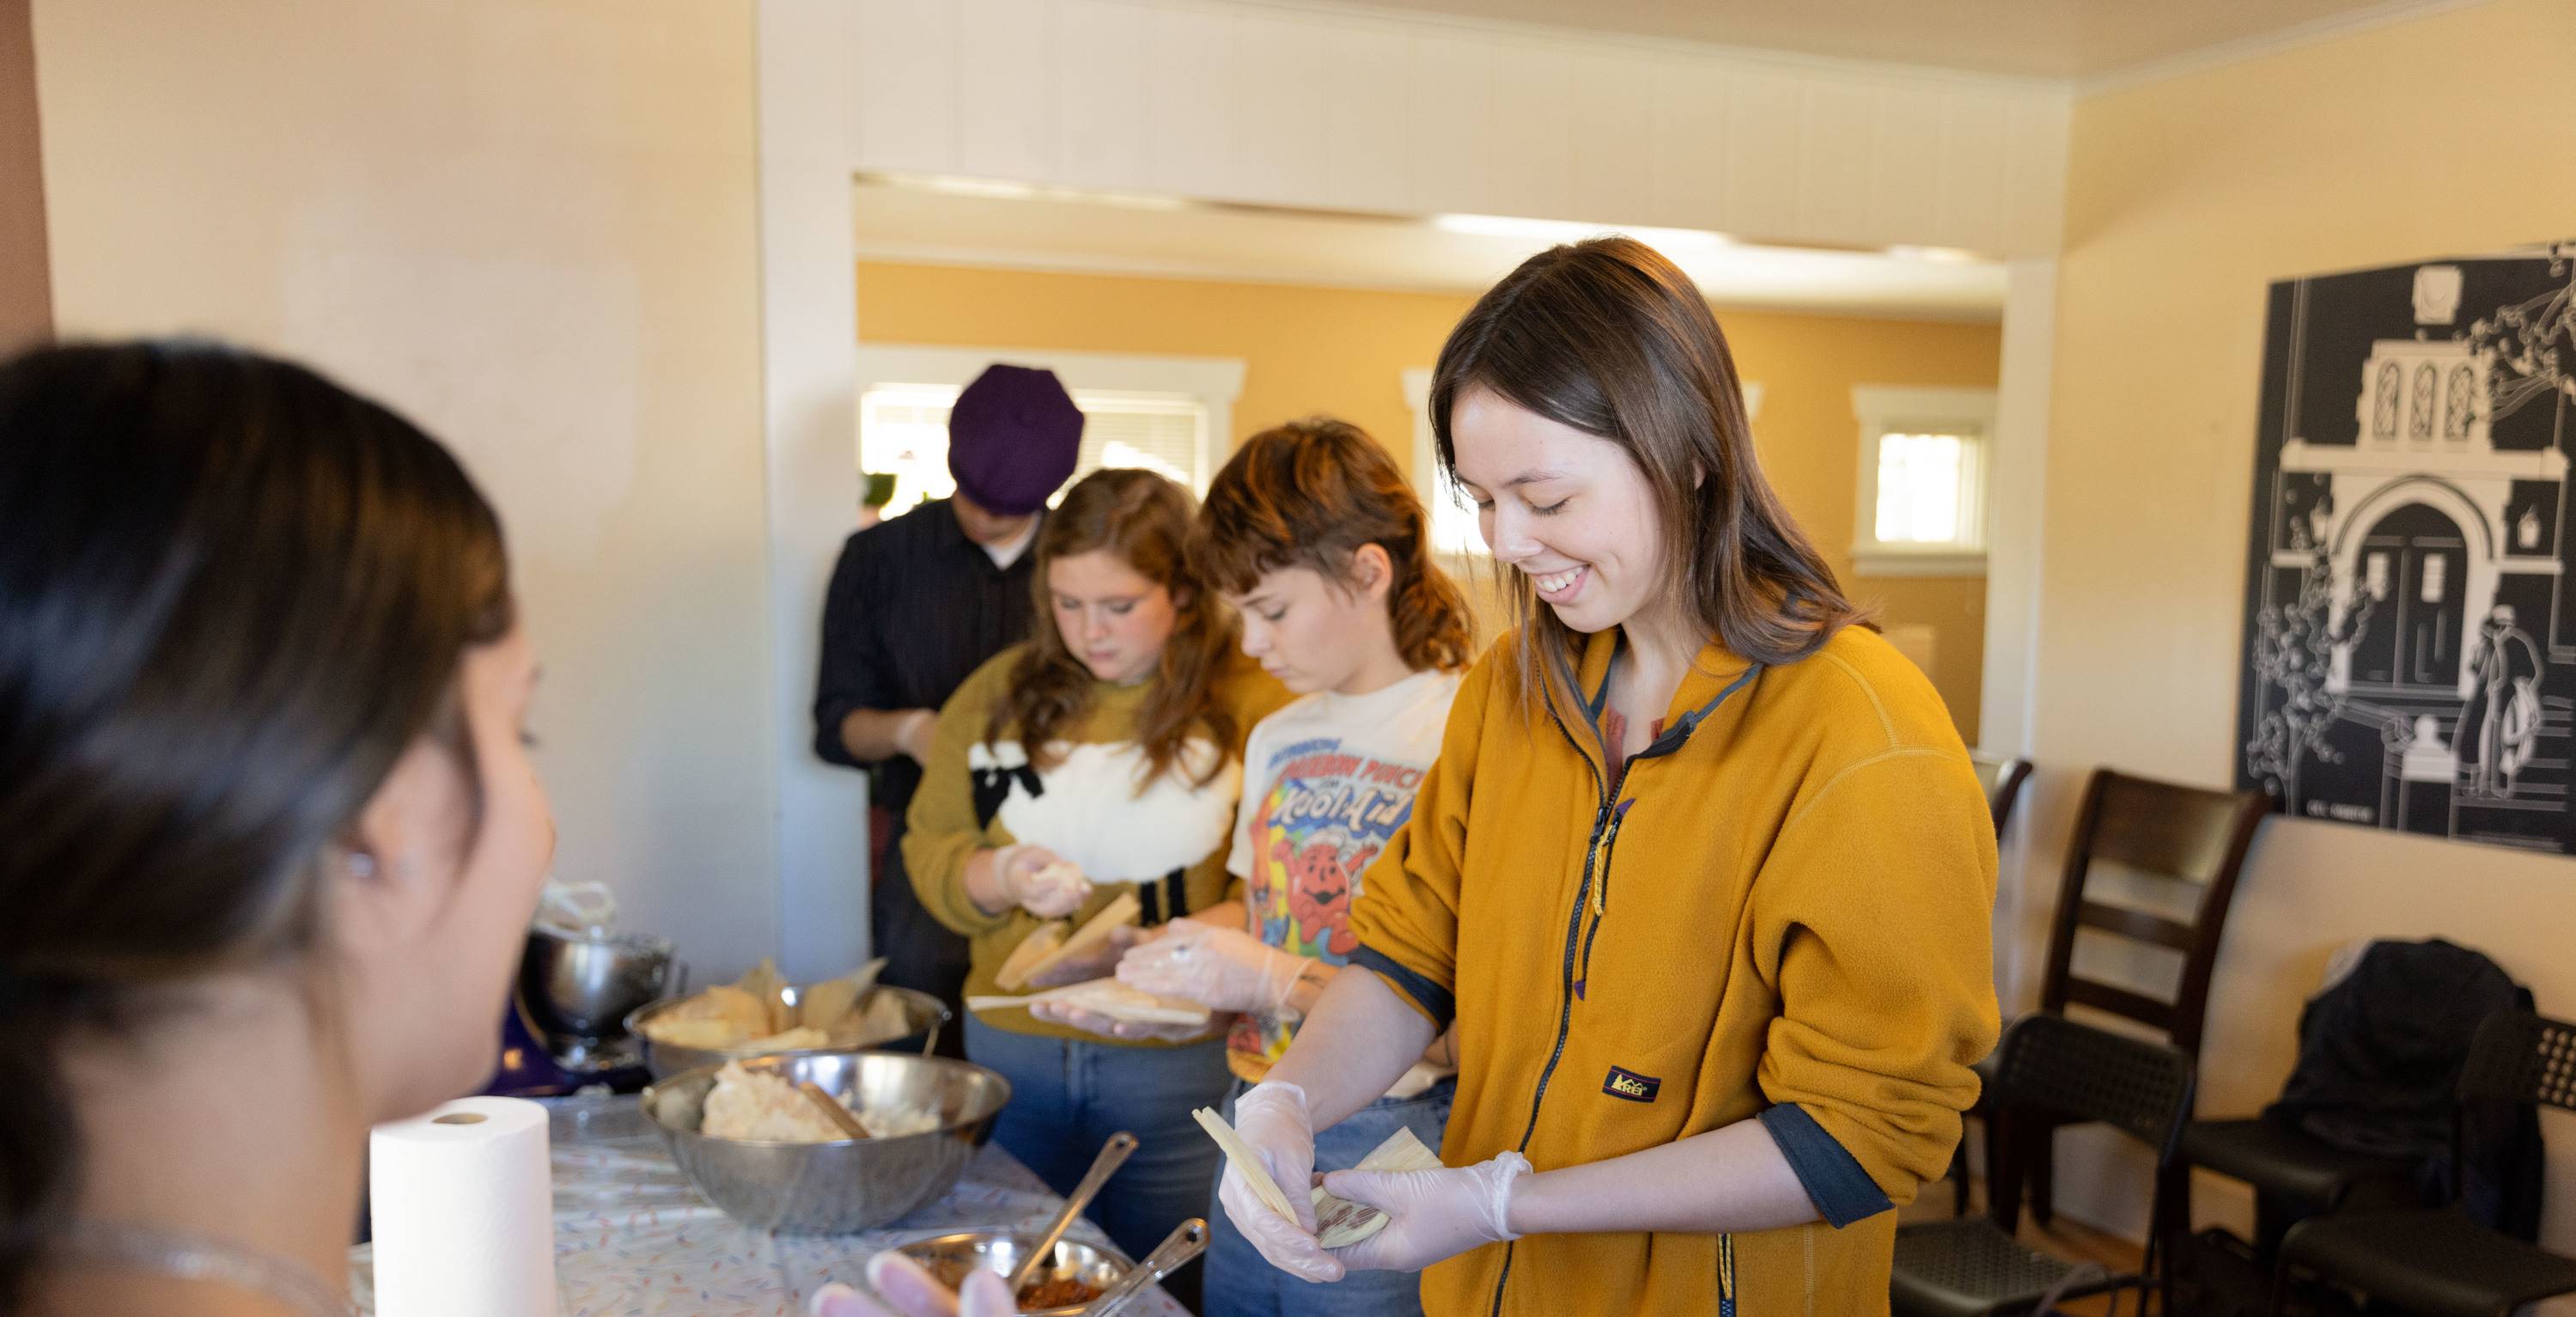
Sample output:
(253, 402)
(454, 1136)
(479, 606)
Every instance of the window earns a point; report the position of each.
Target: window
(1922, 506)
(1453, 517)
(2461, 406)
(1919, 487)
(1163, 414)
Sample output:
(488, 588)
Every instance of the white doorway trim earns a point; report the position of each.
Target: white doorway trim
(2016, 500)
(808, 361)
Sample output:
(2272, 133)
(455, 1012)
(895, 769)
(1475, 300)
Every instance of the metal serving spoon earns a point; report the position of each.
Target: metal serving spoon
(1186, 1241)
(1113, 1155)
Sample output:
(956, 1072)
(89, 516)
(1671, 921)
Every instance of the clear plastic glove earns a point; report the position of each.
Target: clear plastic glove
(1096, 963)
(1272, 1118)
(1108, 1026)
(1432, 1215)
(1226, 969)
(1040, 881)
(909, 1290)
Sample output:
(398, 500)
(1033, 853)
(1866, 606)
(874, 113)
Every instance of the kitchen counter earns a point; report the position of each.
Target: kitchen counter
(634, 1239)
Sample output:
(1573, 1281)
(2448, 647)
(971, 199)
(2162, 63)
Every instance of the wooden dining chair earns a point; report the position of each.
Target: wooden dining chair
(2190, 835)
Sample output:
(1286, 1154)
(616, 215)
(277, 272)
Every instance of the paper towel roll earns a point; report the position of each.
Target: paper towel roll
(463, 1203)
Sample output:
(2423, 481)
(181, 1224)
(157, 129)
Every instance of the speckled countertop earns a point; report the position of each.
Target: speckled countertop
(633, 1239)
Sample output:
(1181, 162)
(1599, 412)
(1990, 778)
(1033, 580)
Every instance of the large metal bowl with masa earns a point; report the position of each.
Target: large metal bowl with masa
(847, 1185)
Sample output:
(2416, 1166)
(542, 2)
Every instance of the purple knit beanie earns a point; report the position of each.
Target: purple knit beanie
(1012, 439)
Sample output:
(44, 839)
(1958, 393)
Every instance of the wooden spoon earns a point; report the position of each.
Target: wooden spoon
(832, 1107)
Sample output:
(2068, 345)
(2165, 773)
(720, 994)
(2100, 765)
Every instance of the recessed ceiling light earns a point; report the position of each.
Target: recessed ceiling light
(1668, 241)
(1005, 190)
(1936, 255)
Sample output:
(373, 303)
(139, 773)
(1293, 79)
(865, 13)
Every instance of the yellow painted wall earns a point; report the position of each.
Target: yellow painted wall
(1315, 349)
(531, 225)
(2444, 135)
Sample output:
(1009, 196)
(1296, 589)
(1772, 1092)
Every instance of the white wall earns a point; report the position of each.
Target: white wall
(530, 226)
(2186, 198)
(1310, 105)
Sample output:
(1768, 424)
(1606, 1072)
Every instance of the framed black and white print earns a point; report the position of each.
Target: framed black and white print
(2410, 632)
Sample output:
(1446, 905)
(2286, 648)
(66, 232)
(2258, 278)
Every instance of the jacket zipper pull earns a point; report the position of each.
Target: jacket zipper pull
(1609, 842)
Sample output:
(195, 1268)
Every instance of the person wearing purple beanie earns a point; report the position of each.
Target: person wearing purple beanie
(916, 603)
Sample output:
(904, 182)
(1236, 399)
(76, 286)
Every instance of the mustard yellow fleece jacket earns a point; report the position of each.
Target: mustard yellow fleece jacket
(1164, 839)
(1781, 913)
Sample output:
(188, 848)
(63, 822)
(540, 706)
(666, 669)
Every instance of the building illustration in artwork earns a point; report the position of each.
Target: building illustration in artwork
(2411, 652)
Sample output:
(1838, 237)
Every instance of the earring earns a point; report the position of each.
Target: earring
(361, 865)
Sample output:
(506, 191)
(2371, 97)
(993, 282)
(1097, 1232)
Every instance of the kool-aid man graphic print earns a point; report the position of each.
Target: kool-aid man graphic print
(1328, 780)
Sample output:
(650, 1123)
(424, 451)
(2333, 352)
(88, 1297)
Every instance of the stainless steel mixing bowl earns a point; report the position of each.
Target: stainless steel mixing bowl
(924, 1016)
(952, 1258)
(584, 987)
(847, 1185)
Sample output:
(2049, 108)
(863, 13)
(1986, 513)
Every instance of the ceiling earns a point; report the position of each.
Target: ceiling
(956, 222)
(2079, 39)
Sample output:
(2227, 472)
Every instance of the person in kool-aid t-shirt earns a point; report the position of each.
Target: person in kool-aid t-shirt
(1315, 538)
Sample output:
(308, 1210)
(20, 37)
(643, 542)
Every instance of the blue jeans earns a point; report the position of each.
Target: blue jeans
(1068, 1097)
(1242, 1283)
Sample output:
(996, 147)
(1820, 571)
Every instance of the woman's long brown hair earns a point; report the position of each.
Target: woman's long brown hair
(1144, 520)
(1610, 338)
(1311, 494)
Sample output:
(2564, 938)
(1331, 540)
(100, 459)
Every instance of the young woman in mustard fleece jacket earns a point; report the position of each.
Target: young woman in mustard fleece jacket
(1702, 875)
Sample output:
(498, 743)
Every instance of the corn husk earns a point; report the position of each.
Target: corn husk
(1023, 960)
(753, 1011)
(1107, 997)
(1118, 914)
(710, 1035)
(721, 1016)
(828, 1005)
(1340, 1223)
(1241, 1156)
(768, 987)
(880, 1019)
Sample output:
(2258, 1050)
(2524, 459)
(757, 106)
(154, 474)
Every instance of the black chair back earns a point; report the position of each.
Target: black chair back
(2521, 1057)
(2002, 776)
(2078, 1072)
(2189, 834)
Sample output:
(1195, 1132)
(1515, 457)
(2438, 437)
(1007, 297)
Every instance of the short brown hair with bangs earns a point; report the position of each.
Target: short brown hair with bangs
(1311, 494)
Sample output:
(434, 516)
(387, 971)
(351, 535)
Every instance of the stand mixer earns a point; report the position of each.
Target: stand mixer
(565, 1025)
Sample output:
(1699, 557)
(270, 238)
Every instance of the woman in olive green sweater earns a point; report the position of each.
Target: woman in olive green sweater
(1100, 758)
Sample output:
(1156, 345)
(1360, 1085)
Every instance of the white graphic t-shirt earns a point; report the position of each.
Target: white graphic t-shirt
(1327, 780)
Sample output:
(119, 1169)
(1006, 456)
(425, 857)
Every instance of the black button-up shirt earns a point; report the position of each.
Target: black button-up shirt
(914, 608)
